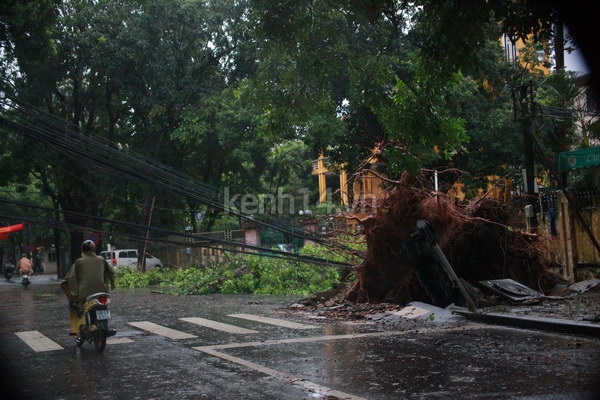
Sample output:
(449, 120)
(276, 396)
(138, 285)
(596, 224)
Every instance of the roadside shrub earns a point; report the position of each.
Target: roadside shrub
(247, 274)
(201, 280)
(131, 278)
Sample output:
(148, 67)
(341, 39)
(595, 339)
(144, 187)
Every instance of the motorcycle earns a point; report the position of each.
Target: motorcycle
(9, 271)
(25, 280)
(95, 330)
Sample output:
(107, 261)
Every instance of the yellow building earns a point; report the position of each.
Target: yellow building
(364, 186)
(321, 170)
(359, 197)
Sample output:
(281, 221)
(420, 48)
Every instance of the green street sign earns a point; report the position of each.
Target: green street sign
(576, 159)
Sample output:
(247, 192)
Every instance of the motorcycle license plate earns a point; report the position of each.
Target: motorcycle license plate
(102, 314)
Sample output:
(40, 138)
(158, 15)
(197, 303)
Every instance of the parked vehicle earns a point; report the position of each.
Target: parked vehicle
(9, 271)
(129, 258)
(96, 314)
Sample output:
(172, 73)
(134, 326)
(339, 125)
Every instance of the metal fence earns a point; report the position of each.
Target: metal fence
(584, 199)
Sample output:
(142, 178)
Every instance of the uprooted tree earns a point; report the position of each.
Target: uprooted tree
(476, 239)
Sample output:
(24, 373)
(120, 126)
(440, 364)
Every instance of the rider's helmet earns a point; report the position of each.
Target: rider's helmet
(88, 245)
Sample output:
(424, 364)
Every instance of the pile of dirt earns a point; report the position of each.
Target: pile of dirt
(476, 238)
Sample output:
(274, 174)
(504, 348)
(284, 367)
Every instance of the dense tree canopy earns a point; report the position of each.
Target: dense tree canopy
(242, 94)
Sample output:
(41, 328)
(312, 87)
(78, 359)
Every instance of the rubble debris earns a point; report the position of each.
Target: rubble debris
(584, 286)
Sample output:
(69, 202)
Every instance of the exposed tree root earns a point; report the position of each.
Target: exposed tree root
(475, 238)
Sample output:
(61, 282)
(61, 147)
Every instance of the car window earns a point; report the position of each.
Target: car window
(123, 254)
(132, 254)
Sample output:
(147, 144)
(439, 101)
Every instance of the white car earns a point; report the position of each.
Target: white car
(129, 258)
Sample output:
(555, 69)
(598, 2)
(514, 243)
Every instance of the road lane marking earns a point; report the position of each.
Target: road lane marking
(316, 389)
(301, 340)
(38, 342)
(273, 321)
(161, 330)
(218, 325)
(214, 350)
(323, 338)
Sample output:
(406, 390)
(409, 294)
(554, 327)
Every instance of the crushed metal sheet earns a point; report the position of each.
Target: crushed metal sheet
(511, 289)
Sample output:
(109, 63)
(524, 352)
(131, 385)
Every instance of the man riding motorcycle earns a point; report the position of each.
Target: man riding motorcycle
(24, 266)
(88, 275)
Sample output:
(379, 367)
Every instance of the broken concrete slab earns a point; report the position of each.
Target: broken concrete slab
(425, 312)
(584, 286)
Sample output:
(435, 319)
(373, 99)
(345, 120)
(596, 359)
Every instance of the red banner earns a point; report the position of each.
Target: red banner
(5, 230)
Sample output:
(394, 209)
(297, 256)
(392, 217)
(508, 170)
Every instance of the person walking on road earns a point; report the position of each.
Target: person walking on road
(25, 266)
(88, 275)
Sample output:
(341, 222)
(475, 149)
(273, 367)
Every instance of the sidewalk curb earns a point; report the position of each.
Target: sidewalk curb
(538, 323)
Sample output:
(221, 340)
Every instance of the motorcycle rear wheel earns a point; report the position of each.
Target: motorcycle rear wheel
(100, 340)
(80, 338)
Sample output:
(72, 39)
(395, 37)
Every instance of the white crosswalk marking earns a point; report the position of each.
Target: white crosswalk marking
(118, 340)
(38, 342)
(273, 321)
(218, 325)
(161, 330)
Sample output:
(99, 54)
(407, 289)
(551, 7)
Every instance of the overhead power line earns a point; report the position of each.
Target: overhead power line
(66, 139)
(194, 240)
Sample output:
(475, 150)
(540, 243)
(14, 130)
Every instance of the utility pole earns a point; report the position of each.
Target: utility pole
(559, 47)
(559, 68)
(143, 258)
(60, 270)
(524, 110)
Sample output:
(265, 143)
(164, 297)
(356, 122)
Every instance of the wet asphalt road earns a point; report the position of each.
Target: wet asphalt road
(392, 358)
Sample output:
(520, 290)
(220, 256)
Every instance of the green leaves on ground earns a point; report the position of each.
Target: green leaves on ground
(239, 275)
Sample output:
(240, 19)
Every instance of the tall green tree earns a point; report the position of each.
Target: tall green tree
(121, 70)
(214, 88)
(398, 72)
